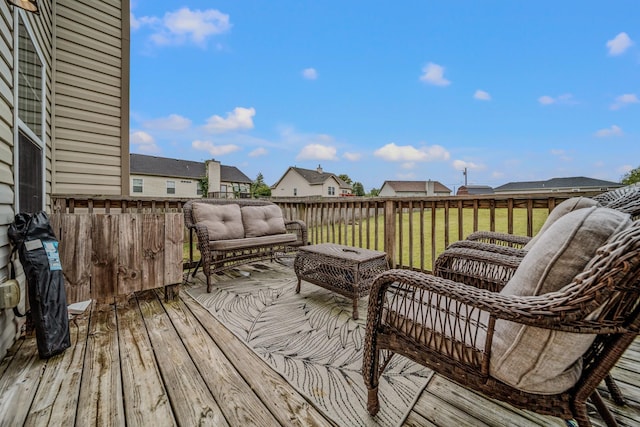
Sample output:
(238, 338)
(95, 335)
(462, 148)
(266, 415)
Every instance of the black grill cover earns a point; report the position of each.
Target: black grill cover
(37, 247)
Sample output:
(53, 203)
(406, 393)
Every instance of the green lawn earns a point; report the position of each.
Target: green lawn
(345, 235)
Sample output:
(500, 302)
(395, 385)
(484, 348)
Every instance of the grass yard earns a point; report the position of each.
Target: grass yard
(413, 235)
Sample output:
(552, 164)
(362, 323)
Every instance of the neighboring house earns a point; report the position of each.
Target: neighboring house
(64, 113)
(298, 182)
(474, 190)
(571, 184)
(153, 176)
(413, 189)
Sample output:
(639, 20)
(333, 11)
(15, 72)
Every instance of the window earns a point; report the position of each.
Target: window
(171, 187)
(138, 185)
(295, 191)
(29, 98)
(199, 188)
(29, 175)
(332, 191)
(29, 83)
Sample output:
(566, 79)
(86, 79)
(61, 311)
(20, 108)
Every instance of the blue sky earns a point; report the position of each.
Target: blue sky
(378, 90)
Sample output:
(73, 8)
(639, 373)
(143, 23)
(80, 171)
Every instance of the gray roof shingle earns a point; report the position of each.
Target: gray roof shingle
(312, 176)
(557, 183)
(416, 186)
(162, 166)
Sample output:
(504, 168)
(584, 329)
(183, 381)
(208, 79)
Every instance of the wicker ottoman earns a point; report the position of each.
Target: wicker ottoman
(345, 270)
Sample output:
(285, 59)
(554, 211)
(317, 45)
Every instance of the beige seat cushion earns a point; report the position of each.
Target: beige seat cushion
(561, 210)
(262, 220)
(539, 360)
(222, 221)
(252, 242)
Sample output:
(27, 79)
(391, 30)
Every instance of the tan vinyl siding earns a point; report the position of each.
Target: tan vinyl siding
(91, 93)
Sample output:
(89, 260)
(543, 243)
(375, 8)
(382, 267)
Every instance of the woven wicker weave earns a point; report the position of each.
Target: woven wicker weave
(346, 270)
(213, 261)
(604, 300)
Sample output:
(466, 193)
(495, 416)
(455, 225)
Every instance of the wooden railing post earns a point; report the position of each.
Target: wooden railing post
(390, 232)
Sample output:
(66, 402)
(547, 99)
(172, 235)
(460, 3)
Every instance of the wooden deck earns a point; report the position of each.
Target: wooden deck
(147, 362)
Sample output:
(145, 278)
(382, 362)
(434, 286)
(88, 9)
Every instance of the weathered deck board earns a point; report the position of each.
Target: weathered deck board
(285, 403)
(242, 406)
(19, 384)
(100, 401)
(190, 398)
(149, 362)
(56, 401)
(145, 399)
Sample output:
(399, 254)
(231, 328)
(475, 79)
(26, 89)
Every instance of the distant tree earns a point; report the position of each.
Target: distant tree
(345, 178)
(374, 192)
(259, 188)
(358, 189)
(631, 177)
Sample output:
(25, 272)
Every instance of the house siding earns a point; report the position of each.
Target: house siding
(40, 25)
(156, 186)
(292, 180)
(91, 97)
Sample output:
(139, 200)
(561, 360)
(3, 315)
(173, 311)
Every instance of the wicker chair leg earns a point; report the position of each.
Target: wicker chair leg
(373, 405)
(196, 269)
(604, 412)
(616, 394)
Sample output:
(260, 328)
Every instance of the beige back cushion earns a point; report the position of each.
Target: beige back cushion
(262, 220)
(539, 360)
(561, 210)
(223, 221)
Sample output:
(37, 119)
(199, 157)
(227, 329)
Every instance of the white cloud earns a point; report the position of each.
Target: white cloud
(557, 152)
(462, 164)
(564, 99)
(546, 100)
(619, 44)
(214, 150)
(317, 152)
(482, 95)
(622, 100)
(354, 157)
(434, 74)
(184, 25)
(408, 153)
(408, 165)
(561, 155)
(258, 152)
(612, 131)
(238, 119)
(172, 122)
(144, 142)
(310, 73)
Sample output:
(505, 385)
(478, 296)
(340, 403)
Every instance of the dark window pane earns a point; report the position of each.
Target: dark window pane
(30, 175)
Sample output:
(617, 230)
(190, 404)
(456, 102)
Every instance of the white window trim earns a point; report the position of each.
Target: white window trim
(18, 125)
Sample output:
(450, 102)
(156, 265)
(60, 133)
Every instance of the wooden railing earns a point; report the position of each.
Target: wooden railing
(412, 231)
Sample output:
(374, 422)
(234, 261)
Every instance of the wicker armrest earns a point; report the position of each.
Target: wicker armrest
(484, 269)
(299, 228)
(402, 289)
(497, 238)
(489, 247)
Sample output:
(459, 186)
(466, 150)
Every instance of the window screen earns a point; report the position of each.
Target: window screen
(30, 175)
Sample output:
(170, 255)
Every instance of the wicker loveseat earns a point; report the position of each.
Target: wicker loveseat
(235, 231)
(544, 342)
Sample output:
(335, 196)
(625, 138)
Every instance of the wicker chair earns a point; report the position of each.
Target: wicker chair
(625, 199)
(450, 327)
(488, 259)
